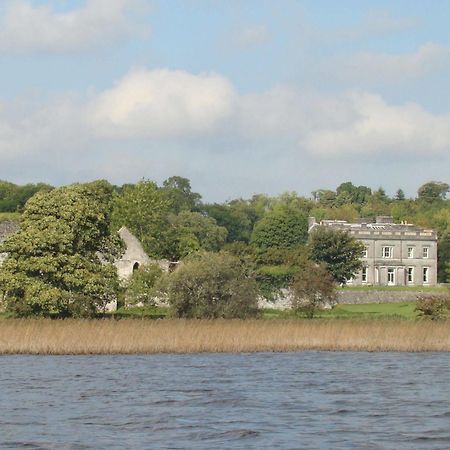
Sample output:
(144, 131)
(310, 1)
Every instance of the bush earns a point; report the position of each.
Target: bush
(434, 307)
(211, 286)
(140, 287)
(313, 289)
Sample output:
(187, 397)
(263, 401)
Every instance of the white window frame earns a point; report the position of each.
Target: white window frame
(426, 275)
(364, 272)
(387, 252)
(365, 253)
(391, 271)
(425, 252)
(410, 252)
(410, 275)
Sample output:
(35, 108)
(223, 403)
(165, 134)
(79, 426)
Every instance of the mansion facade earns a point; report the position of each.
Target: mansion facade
(394, 255)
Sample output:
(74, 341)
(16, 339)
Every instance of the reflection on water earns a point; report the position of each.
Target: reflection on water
(312, 400)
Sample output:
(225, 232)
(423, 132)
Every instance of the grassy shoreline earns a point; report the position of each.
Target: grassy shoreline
(108, 337)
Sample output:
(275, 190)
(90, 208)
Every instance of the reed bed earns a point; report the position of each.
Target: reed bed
(81, 337)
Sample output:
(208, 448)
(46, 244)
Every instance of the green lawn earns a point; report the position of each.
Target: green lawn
(9, 216)
(403, 310)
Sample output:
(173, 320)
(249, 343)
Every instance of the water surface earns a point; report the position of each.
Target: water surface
(311, 400)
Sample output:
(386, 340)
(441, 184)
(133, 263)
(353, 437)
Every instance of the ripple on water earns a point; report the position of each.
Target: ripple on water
(314, 400)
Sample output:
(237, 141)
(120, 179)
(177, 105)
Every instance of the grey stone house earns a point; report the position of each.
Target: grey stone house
(395, 254)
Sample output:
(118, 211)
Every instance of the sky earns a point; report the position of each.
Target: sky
(241, 97)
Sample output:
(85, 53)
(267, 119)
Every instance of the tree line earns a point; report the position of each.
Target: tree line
(54, 265)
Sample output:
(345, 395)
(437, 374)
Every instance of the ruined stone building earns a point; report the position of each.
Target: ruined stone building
(394, 255)
(134, 256)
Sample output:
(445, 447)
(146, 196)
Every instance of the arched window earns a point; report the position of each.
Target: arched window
(135, 266)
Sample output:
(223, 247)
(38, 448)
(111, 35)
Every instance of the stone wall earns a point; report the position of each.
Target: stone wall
(361, 297)
(355, 297)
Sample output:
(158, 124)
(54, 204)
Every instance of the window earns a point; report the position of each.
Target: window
(426, 273)
(364, 275)
(410, 274)
(410, 252)
(365, 253)
(387, 252)
(390, 276)
(426, 252)
(377, 275)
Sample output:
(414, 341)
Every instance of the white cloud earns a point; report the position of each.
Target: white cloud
(250, 36)
(40, 130)
(376, 127)
(26, 28)
(162, 103)
(272, 139)
(379, 67)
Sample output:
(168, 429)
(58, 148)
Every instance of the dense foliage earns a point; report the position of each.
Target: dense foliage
(53, 265)
(53, 260)
(140, 288)
(211, 286)
(14, 197)
(338, 251)
(313, 289)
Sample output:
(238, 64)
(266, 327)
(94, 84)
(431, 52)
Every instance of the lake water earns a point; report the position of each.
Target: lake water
(310, 400)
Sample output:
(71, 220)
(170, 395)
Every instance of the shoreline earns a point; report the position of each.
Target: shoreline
(106, 337)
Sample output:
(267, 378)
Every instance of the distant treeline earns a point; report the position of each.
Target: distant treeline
(172, 221)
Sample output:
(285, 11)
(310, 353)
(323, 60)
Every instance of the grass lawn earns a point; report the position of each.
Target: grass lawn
(9, 216)
(403, 310)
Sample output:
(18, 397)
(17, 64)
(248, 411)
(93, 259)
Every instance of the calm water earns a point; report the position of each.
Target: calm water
(309, 400)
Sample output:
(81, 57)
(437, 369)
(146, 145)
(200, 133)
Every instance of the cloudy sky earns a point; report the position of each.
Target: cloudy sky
(238, 96)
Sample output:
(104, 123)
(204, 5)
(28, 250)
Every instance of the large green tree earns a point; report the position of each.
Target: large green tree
(193, 231)
(433, 190)
(284, 227)
(144, 209)
(179, 192)
(53, 265)
(340, 252)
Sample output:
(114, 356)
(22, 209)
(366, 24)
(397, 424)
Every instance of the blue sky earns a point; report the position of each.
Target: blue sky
(238, 96)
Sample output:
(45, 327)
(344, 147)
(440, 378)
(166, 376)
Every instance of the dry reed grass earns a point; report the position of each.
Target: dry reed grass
(55, 337)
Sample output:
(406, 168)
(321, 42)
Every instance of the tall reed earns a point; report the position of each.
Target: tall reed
(33, 336)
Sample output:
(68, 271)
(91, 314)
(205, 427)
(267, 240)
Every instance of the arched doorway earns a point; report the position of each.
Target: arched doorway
(135, 266)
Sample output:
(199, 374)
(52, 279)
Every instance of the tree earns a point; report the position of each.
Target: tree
(53, 267)
(283, 227)
(192, 231)
(352, 193)
(338, 251)
(237, 216)
(313, 289)
(432, 191)
(14, 197)
(400, 195)
(179, 192)
(143, 208)
(211, 286)
(140, 287)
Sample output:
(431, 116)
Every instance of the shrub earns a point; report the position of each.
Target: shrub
(433, 307)
(313, 289)
(140, 287)
(213, 285)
